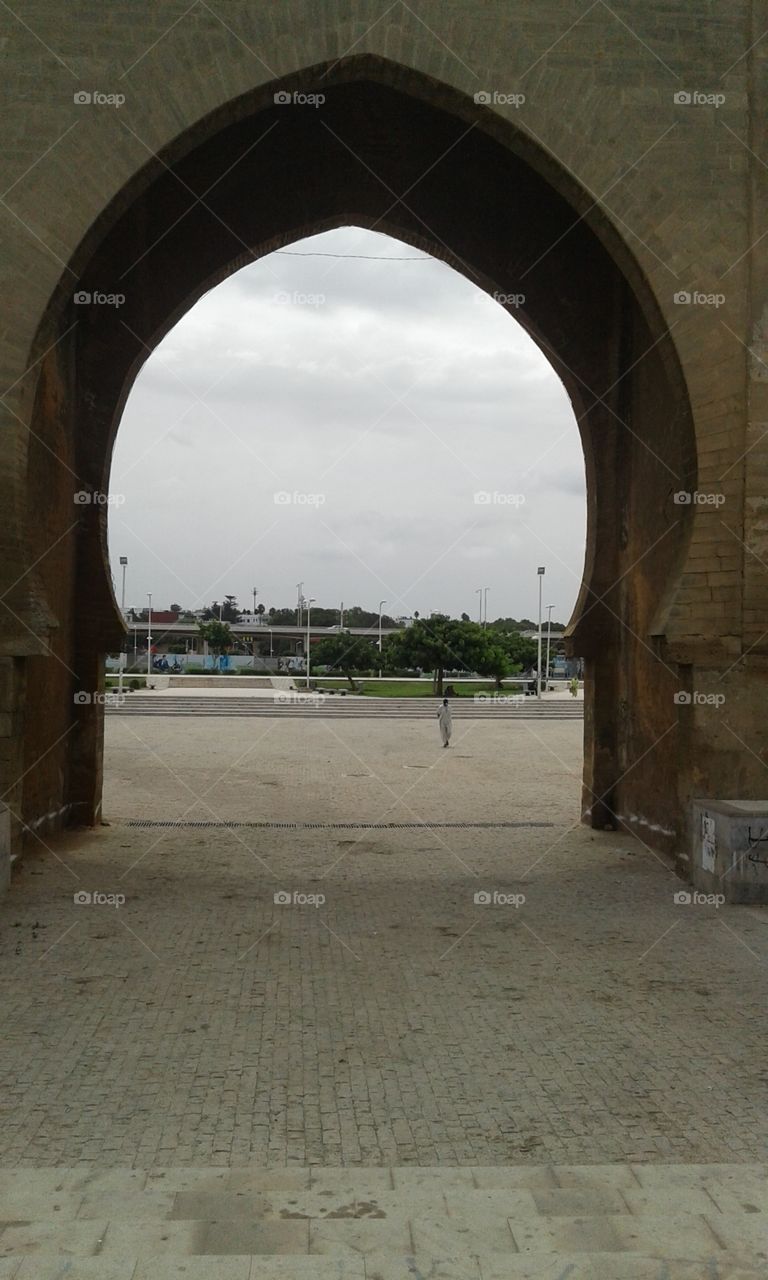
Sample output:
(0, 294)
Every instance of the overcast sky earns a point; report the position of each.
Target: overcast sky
(379, 398)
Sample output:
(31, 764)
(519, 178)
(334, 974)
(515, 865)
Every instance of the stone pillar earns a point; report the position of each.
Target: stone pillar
(11, 753)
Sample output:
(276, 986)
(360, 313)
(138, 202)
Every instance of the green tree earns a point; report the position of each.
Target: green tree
(494, 662)
(521, 652)
(437, 644)
(345, 653)
(218, 636)
(229, 610)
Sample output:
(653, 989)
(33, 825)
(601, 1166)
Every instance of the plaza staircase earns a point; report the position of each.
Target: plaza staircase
(336, 706)
(526, 1222)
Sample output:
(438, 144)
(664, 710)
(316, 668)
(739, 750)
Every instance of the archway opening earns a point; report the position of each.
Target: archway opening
(357, 422)
(401, 155)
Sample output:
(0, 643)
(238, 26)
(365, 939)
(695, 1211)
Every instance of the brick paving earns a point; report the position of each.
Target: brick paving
(399, 1022)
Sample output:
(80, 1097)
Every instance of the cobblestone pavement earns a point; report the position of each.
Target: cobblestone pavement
(399, 1022)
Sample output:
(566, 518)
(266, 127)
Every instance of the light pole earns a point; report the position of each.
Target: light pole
(479, 592)
(485, 599)
(124, 646)
(309, 604)
(124, 565)
(255, 593)
(550, 607)
(381, 606)
(540, 572)
(341, 617)
(300, 589)
(149, 635)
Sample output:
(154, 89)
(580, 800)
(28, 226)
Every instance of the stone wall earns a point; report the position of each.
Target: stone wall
(637, 197)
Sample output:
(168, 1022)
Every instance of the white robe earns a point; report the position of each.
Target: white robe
(446, 724)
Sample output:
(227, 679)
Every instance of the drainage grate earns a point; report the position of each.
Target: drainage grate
(333, 826)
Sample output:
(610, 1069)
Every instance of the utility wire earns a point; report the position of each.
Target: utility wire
(368, 257)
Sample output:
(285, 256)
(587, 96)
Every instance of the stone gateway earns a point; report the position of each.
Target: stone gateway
(601, 169)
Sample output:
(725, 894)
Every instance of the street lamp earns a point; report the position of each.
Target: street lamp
(381, 606)
(550, 607)
(124, 564)
(149, 635)
(479, 592)
(255, 593)
(485, 610)
(124, 646)
(309, 604)
(540, 572)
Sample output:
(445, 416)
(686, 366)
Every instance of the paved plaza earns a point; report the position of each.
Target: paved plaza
(400, 1021)
(567, 1080)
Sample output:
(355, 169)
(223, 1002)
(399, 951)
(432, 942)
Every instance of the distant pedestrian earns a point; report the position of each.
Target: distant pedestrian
(445, 722)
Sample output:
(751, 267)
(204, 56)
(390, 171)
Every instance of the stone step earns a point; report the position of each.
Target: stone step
(622, 1222)
(147, 704)
(596, 1266)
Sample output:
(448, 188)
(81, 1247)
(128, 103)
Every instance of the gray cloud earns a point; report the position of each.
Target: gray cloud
(397, 397)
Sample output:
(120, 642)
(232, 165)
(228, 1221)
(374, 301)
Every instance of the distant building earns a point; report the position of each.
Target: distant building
(164, 616)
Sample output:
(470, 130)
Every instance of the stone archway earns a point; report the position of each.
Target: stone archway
(394, 150)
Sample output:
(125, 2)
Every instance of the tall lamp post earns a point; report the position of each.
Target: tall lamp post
(550, 607)
(124, 646)
(540, 572)
(485, 605)
(479, 592)
(124, 566)
(381, 606)
(309, 604)
(149, 635)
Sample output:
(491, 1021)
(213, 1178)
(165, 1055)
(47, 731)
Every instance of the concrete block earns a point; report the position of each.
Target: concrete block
(729, 855)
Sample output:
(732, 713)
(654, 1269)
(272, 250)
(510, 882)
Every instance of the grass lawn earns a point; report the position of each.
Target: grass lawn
(414, 688)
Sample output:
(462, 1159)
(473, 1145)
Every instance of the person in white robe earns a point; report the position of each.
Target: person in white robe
(445, 722)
